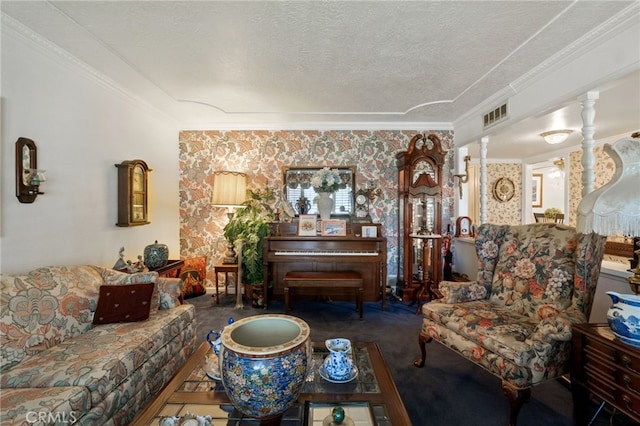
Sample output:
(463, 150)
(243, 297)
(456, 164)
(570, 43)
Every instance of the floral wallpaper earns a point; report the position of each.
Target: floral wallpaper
(262, 154)
(508, 212)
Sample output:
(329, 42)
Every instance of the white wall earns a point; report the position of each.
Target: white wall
(82, 126)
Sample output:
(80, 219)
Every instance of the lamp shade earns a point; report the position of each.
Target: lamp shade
(229, 189)
(614, 208)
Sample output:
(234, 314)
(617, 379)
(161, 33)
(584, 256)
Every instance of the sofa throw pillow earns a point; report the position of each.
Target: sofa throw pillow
(123, 303)
(194, 273)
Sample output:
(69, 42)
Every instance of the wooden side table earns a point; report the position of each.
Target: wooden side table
(225, 268)
(605, 367)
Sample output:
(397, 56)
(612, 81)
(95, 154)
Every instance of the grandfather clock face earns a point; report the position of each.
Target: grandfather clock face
(421, 168)
(423, 178)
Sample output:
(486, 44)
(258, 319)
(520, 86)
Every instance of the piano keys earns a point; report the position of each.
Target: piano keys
(284, 252)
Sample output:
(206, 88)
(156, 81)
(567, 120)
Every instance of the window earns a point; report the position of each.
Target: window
(297, 184)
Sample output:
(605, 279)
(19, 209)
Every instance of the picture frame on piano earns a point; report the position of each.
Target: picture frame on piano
(369, 232)
(334, 228)
(307, 225)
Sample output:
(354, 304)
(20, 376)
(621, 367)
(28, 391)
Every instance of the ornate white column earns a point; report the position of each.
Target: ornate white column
(483, 179)
(587, 101)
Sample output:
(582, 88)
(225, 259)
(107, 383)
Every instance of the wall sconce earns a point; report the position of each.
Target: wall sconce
(230, 191)
(463, 178)
(28, 176)
(556, 136)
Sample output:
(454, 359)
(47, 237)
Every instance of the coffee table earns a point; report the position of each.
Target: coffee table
(372, 395)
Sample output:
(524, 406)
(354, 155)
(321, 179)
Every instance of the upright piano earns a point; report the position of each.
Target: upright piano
(285, 251)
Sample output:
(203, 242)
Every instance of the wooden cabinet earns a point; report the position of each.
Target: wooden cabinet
(605, 367)
(420, 216)
(133, 183)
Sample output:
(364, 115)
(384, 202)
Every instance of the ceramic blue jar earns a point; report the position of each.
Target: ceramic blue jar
(624, 317)
(156, 255)
(263, 363)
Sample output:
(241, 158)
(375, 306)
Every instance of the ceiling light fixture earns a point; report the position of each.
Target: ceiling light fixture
(556, 136)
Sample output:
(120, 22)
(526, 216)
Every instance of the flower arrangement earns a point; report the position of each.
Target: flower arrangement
(326, 180)
(551, 213)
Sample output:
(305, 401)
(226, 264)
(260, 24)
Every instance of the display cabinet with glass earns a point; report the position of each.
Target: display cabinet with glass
(420, 217)
(133, 183)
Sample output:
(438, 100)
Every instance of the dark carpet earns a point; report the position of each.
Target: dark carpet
(449, 390)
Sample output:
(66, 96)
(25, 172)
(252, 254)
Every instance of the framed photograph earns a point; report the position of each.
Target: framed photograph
(307, 225)
(536, 190)
(333, 228)
(369, 232)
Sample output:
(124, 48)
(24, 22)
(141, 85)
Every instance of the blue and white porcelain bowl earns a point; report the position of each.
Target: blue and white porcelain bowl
(624, 317)
(263, 363)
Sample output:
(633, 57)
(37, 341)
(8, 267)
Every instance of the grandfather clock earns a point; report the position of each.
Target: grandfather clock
(420, 217)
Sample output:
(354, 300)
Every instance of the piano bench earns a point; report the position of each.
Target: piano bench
(324, 280)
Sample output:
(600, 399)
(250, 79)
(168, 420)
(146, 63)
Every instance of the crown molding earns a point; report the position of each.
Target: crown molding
(323, 126)
(22, 33)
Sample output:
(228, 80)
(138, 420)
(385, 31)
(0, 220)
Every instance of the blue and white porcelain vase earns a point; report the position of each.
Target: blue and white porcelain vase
(156, 255)
(624, 317)
(269, 355)
(325, 205)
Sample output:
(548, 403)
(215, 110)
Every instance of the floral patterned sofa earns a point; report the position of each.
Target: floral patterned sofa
(58, 367)
(534, 281)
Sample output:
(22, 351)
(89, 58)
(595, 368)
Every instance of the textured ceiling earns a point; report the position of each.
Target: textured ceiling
(261, 63)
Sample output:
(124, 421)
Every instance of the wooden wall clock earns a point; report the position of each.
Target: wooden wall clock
(133, 185)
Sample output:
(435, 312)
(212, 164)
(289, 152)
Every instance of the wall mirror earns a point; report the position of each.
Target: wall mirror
(301, 195)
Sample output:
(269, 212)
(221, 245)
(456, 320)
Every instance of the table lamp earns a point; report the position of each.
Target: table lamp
(614, 208)
(229, 190)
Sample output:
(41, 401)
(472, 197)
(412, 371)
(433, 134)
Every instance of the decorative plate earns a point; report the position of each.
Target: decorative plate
(212, 367)
(325, 375)
(504, 189)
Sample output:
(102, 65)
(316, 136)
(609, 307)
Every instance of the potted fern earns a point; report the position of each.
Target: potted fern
(246, 231)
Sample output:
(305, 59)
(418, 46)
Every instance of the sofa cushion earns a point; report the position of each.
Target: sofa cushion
(170, 290)
(113, 277)
(43, 308)
(54, 405)
(536, 267)
(123, 303)
(493, 327)
(103, 357)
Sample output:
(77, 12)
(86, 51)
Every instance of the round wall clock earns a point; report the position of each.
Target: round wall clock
(504, 189)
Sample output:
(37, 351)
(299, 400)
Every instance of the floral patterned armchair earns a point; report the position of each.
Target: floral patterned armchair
(534, 281)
